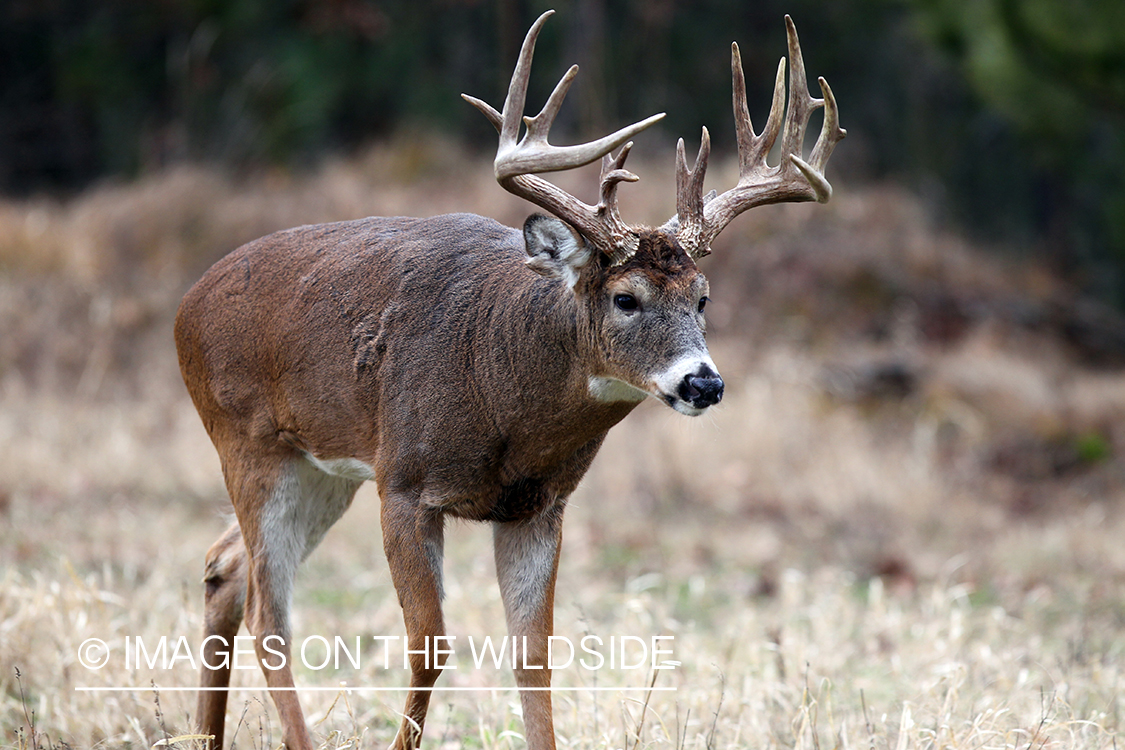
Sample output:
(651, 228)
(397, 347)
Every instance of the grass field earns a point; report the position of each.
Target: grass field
(902, 528)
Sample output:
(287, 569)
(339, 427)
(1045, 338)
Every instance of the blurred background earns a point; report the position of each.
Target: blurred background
(915, 484)
(1007, 116)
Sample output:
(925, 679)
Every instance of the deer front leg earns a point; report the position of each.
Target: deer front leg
(412, 540)
(527, 561)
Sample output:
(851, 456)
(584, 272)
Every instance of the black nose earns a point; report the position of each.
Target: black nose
(702, 390)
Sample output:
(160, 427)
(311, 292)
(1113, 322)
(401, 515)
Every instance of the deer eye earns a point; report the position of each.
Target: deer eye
(703, 303)
(626, 302)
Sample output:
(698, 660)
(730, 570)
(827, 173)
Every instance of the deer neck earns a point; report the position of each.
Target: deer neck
(554, 386)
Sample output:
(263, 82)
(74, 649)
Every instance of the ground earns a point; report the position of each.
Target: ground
(901, 528)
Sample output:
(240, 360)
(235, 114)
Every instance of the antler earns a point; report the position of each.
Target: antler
(518, 161)
(700, 218)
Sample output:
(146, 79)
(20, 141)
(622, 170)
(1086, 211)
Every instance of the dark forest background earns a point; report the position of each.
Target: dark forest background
(1007, 116)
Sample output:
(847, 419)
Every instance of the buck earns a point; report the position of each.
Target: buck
(470, 369)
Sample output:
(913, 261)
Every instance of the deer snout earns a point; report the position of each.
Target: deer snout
(702, 389)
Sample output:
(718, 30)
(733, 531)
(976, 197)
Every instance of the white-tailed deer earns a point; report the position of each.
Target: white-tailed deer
(471, 369)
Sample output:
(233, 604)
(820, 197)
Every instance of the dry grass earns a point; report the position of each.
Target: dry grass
(900, 529)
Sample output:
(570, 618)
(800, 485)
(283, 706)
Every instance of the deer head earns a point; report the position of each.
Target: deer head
(641, 295)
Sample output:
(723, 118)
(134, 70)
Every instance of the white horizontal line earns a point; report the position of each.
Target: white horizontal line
(362, 689)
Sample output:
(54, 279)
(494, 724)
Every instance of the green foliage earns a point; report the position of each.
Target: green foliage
(1053, 73)
(1093, 448)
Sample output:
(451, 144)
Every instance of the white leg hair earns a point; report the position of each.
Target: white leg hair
(526, 554)
(304, 505)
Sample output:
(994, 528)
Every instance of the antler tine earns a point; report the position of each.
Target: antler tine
(743, 127)
(613, 174)
(539, 127)
(611, 162)
(518, 161)
(831, 133)
(487, 109)
(752, 148)
(689, 197)
(777, 107)
(517, 89)
(801, 103)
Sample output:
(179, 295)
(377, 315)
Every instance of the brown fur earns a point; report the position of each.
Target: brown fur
(427, 350)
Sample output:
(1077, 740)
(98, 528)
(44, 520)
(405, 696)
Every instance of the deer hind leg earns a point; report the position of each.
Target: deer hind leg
(412, 540)
(527, 561)
(284, 507)
(223, 601)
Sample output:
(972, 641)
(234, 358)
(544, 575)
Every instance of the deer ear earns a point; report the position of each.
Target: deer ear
(554, 248)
